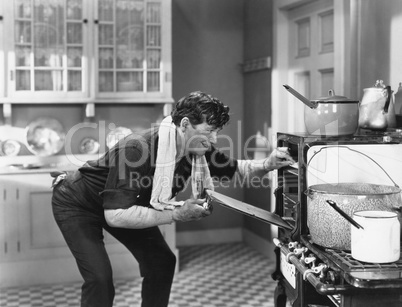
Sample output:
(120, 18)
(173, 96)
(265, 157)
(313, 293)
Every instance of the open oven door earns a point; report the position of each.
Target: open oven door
(247, 209)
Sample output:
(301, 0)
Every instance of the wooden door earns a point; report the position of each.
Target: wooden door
(310, 55)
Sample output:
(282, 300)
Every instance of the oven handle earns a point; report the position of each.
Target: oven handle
(320, 287)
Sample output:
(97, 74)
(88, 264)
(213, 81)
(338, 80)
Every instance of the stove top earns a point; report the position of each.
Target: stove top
(358, 273)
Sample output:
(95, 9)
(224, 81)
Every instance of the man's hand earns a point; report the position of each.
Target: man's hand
(279, 157)
(192, 210)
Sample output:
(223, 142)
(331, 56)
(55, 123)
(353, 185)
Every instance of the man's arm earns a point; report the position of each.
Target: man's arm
(251, 168)
(278, 158)
(138, 217)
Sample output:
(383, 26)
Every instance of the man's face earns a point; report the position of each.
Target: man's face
(199, 138)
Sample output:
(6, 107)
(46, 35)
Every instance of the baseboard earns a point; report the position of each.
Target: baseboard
(258, 243)
(209, 236)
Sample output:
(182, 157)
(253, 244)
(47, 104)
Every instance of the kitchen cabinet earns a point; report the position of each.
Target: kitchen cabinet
(74, 51)
(33, 250)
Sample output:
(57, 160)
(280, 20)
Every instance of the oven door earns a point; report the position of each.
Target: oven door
(247, 209)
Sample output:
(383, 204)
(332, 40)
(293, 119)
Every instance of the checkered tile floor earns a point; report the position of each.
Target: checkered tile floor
(225, 275)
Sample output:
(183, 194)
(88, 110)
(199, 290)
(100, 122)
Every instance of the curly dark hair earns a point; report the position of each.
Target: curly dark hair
(200, 107)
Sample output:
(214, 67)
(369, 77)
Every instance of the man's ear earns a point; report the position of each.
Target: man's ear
(184, 123)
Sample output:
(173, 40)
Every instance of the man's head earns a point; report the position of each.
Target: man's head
(199, 107)
(200, 117)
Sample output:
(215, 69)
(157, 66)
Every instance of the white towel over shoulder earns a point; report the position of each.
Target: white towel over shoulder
(165, 166)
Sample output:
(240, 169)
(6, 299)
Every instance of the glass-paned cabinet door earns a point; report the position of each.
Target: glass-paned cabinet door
(86, 50)
(46, 53)
(133, 48)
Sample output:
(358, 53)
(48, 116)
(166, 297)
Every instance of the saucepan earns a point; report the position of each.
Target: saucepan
(329, 116)
(375, 235)
(379, 241)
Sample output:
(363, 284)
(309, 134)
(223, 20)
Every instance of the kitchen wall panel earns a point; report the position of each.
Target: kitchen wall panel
(257, 97)
(379, 43)
(207, 53)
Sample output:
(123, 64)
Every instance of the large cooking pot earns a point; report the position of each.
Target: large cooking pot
(329, 116)
(327, 227)
(330, 229)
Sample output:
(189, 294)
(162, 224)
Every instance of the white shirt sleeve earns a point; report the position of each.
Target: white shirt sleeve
(247, 168)
(137, 217)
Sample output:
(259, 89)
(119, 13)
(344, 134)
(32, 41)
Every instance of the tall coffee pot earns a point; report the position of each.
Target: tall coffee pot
(376, 109)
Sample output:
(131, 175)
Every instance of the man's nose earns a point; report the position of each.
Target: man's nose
(213, 138)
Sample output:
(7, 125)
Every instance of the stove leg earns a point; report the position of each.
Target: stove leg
(280, 296)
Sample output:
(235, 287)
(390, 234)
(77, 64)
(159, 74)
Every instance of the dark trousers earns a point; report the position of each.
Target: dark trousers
(82, 230)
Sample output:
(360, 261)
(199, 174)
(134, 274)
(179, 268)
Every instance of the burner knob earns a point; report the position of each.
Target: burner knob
(310, 259)
(293, 244)
(318, 269)
(300, 250)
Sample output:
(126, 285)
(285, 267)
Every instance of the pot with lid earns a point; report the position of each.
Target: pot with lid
(333, 115)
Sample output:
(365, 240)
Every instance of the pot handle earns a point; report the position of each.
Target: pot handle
(342, 146)
(388, 101)
(310, 194)
(345, 216)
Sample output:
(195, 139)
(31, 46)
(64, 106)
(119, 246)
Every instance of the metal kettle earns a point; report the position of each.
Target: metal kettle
(376, 109)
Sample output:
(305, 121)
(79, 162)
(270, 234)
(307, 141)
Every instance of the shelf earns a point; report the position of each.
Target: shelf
(143, 100)
(291, 197)
(35, 164)
(292, 170)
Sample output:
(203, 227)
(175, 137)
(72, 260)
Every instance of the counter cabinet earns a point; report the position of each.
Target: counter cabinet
(32, 249)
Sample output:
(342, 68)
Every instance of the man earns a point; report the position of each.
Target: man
(131, 190)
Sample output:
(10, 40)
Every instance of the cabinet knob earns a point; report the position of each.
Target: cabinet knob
(1, 18)
(96, 21)
(85, 20)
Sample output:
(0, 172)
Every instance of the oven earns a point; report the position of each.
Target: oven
(312, 275)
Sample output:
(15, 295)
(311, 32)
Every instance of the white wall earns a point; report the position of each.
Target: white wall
(379, 44)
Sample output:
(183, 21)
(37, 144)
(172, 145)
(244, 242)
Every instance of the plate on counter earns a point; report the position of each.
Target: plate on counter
(89, 146)
(45, 136)
(10, 148)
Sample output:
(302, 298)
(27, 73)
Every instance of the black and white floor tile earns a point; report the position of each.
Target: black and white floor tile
(225, 275)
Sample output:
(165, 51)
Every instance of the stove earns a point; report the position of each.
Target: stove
(357, 273)
(312, 275)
